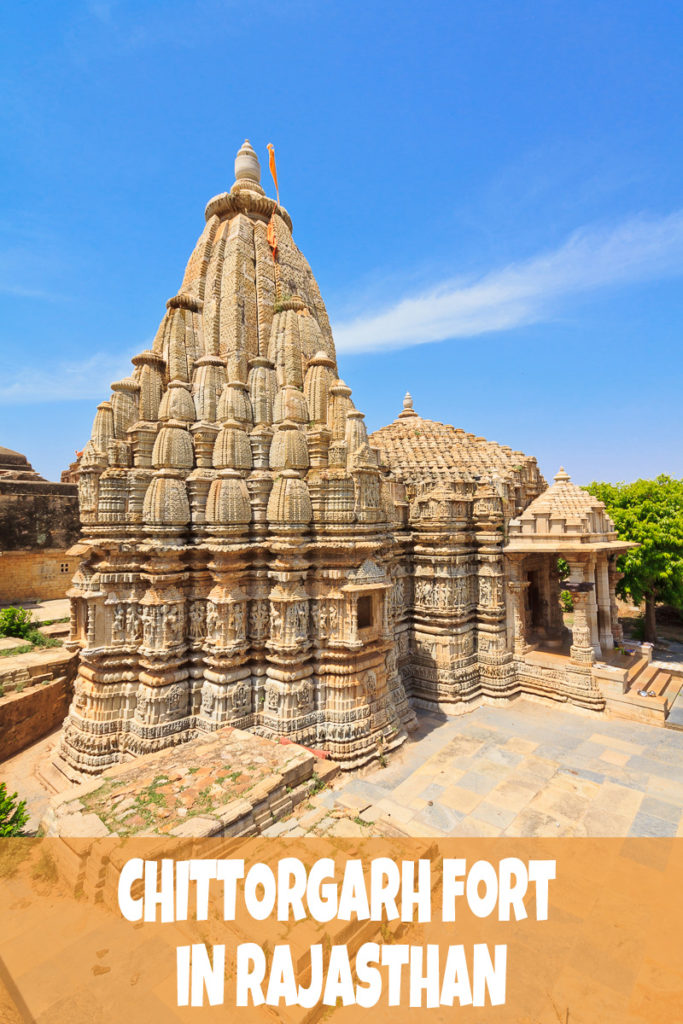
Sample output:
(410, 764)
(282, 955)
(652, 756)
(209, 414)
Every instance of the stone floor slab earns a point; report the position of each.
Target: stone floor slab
(651, 826)
(495, 815)
(661, 809)
(460, 799)
(477, 783)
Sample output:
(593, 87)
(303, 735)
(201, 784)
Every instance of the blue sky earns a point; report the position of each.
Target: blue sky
(489, 194)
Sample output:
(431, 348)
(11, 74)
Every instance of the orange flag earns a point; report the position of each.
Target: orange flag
(271, 237)
(273, 169)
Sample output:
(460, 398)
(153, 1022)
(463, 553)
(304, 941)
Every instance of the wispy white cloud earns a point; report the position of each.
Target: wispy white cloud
(89, 379)
(18, 291)
(526, 292)
(521, 293)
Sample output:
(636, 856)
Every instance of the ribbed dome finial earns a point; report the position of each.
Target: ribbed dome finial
(246, 164)
(407, 406)
(562, 477)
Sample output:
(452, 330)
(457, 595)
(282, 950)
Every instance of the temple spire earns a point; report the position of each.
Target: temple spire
(247, 168)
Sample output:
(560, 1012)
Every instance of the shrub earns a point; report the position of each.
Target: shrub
(39, 639)
(566, 601)
(16, 622)
(13, 813)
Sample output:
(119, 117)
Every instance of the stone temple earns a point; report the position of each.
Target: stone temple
(250, 557)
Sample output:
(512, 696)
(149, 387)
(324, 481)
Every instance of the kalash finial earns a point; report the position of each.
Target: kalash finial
(247, 167)
(407, 406)
(562, 477)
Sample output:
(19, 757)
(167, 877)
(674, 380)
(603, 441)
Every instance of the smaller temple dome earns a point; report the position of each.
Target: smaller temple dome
(565, 517)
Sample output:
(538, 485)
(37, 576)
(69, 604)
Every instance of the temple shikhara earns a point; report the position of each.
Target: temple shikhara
(251, 557)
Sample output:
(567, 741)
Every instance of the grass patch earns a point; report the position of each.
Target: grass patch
(24, 649)
(316, 785)
(33, 639)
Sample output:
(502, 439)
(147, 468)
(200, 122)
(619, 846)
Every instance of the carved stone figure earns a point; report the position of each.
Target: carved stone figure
(197, 619)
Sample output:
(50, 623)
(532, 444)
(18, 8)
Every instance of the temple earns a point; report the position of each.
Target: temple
(250, 557)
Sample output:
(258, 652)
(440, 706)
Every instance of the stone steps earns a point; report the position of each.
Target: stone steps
(664, 686)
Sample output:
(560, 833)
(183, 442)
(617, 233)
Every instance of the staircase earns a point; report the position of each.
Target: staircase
(622, 682)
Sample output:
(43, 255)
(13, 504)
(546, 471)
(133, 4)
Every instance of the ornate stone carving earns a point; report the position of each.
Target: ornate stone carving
(229, 492)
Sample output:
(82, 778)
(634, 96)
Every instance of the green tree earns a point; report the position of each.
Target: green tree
(13, 813)
(651, 513)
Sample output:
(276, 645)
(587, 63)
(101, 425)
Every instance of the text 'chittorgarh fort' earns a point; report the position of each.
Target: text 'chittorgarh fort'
(250, 557)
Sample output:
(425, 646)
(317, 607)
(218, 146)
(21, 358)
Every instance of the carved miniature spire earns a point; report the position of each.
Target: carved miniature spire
(103, 427)
(562, 477)
(319, 378)
(247, 169)
(407, 407)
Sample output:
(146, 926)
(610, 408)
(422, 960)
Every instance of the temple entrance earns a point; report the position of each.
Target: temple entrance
(569, 523)
(537, 618)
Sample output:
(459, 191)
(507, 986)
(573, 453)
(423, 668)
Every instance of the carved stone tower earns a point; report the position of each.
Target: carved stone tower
(238, 558)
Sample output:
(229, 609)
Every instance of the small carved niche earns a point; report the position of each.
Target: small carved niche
(365, 611)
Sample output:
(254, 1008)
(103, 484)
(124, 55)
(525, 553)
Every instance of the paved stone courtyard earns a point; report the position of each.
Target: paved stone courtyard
(526, 769)
(523, 769)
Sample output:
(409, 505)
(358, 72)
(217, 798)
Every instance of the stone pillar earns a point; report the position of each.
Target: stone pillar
(613, 576)
(555, 618)
(582, 648)
(604, 604)
(581, 582)
(518, 589)
(496, 669)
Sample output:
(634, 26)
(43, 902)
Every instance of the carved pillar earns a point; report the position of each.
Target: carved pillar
(227, 697)
(162, 706)
(582, 647)
(604, 604)
(496, 669)
(581, 582)
(613, 576)
(518, 589)
(288, 707)
(555, 619)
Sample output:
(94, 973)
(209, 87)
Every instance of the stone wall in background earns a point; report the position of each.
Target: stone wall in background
(38, 524)
(36, 692)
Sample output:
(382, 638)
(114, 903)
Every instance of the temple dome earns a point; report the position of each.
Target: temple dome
(423, 452)
(565, 516)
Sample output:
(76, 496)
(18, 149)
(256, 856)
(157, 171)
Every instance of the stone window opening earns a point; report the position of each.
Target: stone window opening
(365, 611)
(64, 567)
